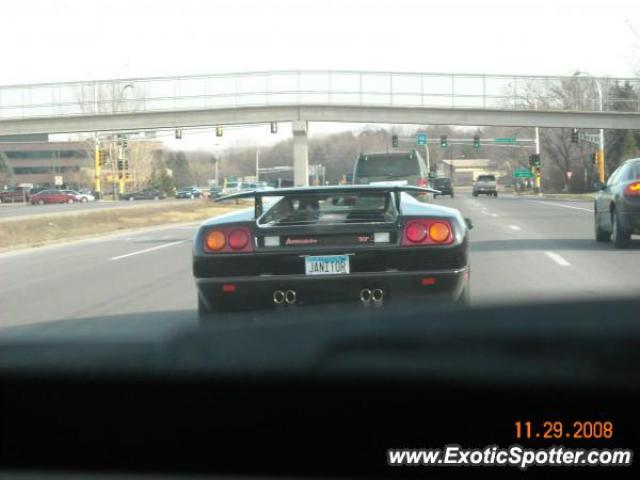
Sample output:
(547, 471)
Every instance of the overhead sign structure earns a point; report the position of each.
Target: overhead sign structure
(522, 173)
(421, 139)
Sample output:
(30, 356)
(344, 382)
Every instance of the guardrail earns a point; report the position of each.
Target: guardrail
(444, 90)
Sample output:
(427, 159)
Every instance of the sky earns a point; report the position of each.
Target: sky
(46, 41)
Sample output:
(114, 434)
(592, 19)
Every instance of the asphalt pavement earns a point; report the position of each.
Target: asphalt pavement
(522, 249)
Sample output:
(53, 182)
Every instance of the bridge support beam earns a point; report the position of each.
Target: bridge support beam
(300, 154)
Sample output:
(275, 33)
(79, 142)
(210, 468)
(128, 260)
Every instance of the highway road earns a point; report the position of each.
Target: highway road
(523, 249)
(13, 210)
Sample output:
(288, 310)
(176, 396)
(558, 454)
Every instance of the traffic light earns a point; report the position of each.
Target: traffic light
(394, 141)
(476, 141)
(574, 135)
(126, 164)
(443, 141)
(274, 127)
(120, 165)
(127, 175)
(218, 131)
(534, 160)
(100, 159)
(594, 158)
(178, 133)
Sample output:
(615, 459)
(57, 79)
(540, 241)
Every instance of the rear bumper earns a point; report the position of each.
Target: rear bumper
(257, 291)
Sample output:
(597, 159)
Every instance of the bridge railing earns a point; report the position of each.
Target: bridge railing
(356, 88)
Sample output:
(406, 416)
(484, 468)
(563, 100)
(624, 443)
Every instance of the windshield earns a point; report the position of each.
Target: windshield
(250, 169)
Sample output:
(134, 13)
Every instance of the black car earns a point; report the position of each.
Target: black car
(443, 185)
(362, 243)
(146, 194)
(189, 192)
(617, 205)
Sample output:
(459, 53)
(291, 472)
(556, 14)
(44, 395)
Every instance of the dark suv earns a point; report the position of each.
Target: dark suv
(392, 168)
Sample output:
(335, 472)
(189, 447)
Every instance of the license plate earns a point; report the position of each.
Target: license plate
(326, 265)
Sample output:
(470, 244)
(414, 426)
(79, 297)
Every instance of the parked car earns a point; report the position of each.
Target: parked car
(146, 194)
(393, 169)
(617, 205)
(485, 185)
(215, 192)
(54, 196)
(443, 184)
(84, 197)
(189, 192)
(15, 194)
(257, 186)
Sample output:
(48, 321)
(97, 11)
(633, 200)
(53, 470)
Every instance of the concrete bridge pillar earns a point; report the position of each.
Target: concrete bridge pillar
(300, 154)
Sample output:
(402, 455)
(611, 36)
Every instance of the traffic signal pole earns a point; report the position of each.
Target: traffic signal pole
(600, 158)
(537, 173)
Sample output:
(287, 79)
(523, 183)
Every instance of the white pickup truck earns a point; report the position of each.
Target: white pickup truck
(485, 184)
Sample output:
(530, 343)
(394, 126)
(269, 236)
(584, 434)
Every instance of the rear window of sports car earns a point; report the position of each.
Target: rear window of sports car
(341, 208)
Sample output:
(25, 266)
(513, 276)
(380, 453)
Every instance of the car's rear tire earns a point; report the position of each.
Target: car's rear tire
(465, 297)
(474, 194)
(620, 237)
(204, 312)
(601, 235)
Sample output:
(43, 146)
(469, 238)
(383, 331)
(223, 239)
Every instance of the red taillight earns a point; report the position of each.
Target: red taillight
(632, 190)
(427, 232)
(422, 182)
(238, 239)
(228, 240)
(228, 288)
(416, 232)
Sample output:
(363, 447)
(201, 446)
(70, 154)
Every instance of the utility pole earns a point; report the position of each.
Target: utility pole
(96, 143)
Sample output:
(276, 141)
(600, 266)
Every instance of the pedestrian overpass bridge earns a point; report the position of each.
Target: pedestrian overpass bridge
(138, 104)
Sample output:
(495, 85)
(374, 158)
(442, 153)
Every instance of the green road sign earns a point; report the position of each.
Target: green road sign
(522, 173)
(505, 140)
(421, 139)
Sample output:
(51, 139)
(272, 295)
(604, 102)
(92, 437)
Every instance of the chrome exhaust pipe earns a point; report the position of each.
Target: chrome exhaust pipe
(365, 295)
(290, 297)
(377, 295)
(278, 297)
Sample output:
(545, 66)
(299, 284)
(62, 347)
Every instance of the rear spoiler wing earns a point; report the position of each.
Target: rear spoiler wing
(258, 195)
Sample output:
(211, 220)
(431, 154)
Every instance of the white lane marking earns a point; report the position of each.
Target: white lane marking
(557, 258)
(514, 227)
(590, 210)
(146, 250)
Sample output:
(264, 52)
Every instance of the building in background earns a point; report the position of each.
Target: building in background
(33, 160)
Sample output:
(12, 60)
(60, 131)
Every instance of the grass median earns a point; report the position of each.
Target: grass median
(25, 232)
